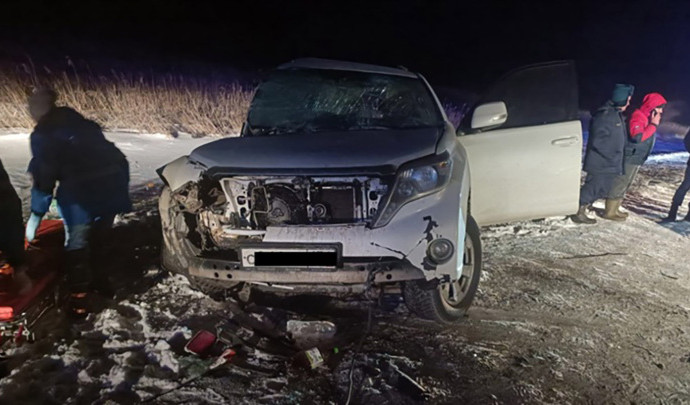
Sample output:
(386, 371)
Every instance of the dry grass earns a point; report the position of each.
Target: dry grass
(116, 100)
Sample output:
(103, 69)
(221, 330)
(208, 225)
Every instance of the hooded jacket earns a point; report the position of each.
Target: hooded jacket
(641, 140)
(92, 173)
(606, 142)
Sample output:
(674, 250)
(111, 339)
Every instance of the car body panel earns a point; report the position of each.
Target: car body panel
(527, 165)
(180, 172)
(322, 151)
(524, 173)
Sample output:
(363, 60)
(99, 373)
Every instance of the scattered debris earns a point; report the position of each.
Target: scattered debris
(307, 334)
(309, 359)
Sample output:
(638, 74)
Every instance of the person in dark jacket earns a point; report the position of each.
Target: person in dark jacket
(93, 178)
(682, 190)
(12, 232)
(604, 153)
(639, 144)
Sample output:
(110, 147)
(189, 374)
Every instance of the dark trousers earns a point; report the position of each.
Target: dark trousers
(679, 196)
(622, 183)
(87, 251)
(12, 231)
(597, 185)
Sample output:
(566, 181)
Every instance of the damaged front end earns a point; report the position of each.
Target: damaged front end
(334, 231)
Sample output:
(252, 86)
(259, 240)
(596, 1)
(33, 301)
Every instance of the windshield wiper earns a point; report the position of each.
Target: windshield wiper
(284, 130)
(370, 127)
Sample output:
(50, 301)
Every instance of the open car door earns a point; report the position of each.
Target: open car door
(524, 145)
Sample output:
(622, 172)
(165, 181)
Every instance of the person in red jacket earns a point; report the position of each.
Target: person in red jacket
(642, 134)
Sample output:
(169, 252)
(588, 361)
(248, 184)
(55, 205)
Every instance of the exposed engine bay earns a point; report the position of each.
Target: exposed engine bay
(241, 208)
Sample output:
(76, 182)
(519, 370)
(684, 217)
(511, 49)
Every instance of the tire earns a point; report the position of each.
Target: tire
(433, 301)
(177, 249)
(207, 286)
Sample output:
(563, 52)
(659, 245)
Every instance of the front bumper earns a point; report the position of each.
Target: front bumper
(351, 272)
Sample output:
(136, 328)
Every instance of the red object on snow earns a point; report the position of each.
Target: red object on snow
(200, 344)
(6, 313)
(45, 262)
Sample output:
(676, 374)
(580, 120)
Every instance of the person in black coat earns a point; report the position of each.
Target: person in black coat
(92, 179)
(682, 190)
(604, 153)
(12, 231)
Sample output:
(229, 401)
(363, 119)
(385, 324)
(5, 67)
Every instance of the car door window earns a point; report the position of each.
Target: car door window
(534, 95)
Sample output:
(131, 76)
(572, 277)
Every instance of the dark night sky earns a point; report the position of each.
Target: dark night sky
(457, 44)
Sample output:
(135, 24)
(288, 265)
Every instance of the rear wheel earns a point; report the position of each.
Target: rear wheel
(448, 302)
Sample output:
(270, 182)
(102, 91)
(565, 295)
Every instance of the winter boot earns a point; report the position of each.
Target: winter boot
(620, 213)
(581, 216)
(611, 209)
(102, 286)
(78, 280)
(672, 214)
(687, 216)
(78, 305)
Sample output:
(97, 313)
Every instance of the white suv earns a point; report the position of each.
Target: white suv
(348, 177)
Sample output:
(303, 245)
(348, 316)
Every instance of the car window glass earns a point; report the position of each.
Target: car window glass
(534, 95)
(304, 100)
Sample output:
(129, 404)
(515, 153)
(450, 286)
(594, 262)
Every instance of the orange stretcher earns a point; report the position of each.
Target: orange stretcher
(45, 258)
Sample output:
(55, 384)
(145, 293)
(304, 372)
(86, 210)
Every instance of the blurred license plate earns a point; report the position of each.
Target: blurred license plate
(321, 257)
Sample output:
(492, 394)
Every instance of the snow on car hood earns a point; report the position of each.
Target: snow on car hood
(327, 151)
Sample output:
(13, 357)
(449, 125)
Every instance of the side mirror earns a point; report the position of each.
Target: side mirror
(489, 115)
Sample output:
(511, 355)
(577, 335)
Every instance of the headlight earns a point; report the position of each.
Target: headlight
(415, 181)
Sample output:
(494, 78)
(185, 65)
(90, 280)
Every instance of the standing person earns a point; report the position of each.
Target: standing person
(12, 232)
(604, 153)
(642, 130)
(679, 195)
(93, 177)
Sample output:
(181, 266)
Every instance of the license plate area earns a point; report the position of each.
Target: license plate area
(292, 256)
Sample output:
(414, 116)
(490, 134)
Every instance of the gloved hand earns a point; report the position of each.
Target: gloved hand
(32, 226)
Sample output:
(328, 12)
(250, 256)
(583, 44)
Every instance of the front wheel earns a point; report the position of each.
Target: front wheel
(448, 302)
(177, 249)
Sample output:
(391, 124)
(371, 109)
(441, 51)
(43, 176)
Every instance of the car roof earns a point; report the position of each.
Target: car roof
(329, 64)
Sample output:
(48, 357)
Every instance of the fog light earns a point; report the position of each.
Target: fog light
(440, 250)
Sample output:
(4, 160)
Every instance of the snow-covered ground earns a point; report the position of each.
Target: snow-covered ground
(565, 314)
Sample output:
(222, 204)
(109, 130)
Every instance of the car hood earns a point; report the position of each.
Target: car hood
(347, 151)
